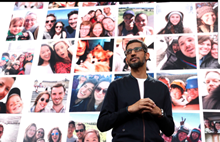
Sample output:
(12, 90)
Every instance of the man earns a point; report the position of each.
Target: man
(109, 26)
(31, 24)
(137, 114)
(57, 95)
(4, 61)
(165, 80)
(186, 56)
(14, 69)
(81, 97)
(108, 13)
(1, 130)
(80, 131)
(212, 81)
(50, 21)
(194, 136)
(71, 129)
(71, 28)
(192, 90)
(181, 134)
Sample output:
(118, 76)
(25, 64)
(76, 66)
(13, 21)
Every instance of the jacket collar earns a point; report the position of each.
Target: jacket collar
(149, 78)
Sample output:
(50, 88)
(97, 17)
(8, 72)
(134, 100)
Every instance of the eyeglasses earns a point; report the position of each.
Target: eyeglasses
(29, 56)
(42, 99)
(136, 49)
(81, 130)
(52, 21)
(59, 27)
(16, 64)
(5, 59)
(54, 134)
(40, 132)
(98, 89)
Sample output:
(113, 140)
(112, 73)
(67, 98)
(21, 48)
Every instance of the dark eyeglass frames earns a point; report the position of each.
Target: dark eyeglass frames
(136, 49)
(40, 132)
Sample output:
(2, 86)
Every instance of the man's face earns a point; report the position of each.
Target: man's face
(1, 131)
(79, 133)
(217, 126)
(50, 21)
(85, 91)
(106, 10)
(182, 136)
(193, 93)
(136, 59)
(4, 60)
(16, 66)
(84, 30)
(30, 21)
(175, 93)
(73, 21)
(39, 134)
(212, 81)
(57, 94)
(71, 129)
(195, 135)
(187, 46)
(108, 24)
(175, 47)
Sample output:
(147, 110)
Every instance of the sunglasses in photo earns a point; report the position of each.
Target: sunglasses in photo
(59, 27)
(81, 130)
(42, 99)
(40, 132)
(54, 134)
(98, 89)
(5, 59)
(52, 21)
(136, 49)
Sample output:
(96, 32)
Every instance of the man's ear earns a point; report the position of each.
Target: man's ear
(147, 56)
(126, 61)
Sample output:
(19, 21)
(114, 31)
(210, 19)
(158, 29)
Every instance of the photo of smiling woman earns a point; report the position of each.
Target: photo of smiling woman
(174, 24)
(46, 60)
(63, 57)
(98, 95)
(55, 135)
(30, 133)
(206, 19)
(40, 102)
(59, 31)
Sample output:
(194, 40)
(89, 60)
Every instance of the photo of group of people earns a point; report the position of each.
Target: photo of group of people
(58, 60)
(61, 24)
(183, 88)
(17, 59)
(98, 22)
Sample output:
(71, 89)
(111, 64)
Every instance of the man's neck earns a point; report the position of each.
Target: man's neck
(69, 135)
(79, 140)
(58, 107)
(47, 30)
(140, 72)
(108, 14)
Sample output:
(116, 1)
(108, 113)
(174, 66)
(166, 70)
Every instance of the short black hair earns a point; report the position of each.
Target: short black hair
(71, 13)
(144, 46)
(72, 122)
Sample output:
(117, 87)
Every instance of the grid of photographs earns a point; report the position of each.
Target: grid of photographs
(59, 59)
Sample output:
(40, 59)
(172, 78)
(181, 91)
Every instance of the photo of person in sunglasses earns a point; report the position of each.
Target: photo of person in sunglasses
(40, 102)
(4, 61)
(55, 135)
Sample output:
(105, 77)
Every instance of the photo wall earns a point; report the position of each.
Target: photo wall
(58, 59)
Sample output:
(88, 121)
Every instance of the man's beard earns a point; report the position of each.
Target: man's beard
(137, 65)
